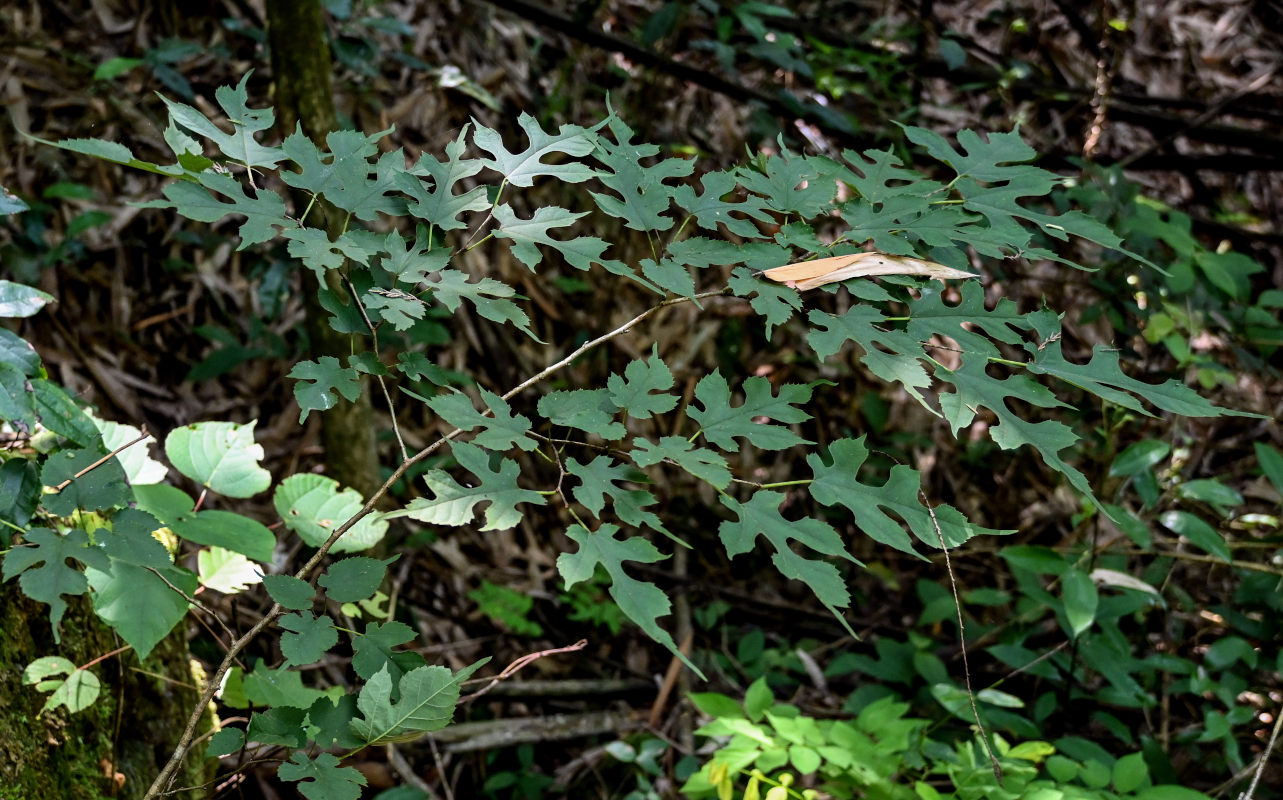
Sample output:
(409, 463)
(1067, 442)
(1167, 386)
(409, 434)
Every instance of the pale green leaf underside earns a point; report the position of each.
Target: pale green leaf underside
(313, 506)
(221, 456)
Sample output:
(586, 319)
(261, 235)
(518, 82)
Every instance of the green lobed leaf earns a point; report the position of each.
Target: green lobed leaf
(43, 573)
(264, 211)
(427, 699)
(141, 604)
(317, 382)
(131, 540)
(641, 196)
(322, 778)
(399, 309)
(520, 169)
(455, 504)
(702, 253)
(580, 252)
(292, 593)
(313, 506)
(225, 742)
(313, 247)
(892, 355)
(1000, 158)
(440, 206)
(879, 175)
(720, 422)
(632, 392)
(101, 486)
(590, 410)
(413, 262)
(330, 722)
(501, 430)
(597, 482)
(279, 687)
(969, 323)
(701, 462)
(837, 483)
(116, 153)
(641, 602)
(240, 145)
(351, 579)
(761, 516)
(308, 639)
(175, 508)
(221, 456)
(790, 184)
(774, 301)
(1104, 377)
(488, 296)
(976, 389)
(669, 275)
(344, 174)
(373, 650)
(711, 208)
(284, 725)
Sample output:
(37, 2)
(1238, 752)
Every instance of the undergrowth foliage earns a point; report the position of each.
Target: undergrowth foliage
(95, 516)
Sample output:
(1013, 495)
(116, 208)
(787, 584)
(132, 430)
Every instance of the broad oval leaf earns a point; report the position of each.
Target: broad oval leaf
(312, 506)
(226, 571)
(221, 456)
(1199, 533)
(1081, 599)
(1140, 457)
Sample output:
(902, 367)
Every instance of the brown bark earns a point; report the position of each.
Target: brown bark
(301, 70)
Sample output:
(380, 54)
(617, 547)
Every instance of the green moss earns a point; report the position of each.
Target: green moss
(136, 720)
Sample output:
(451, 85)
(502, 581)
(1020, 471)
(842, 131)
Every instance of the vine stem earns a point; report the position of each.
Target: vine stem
(962, 640)
(167, 774)
(605, 337)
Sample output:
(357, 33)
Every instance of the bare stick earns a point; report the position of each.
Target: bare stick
(101, 461)
(1265, 756)
(529, 658)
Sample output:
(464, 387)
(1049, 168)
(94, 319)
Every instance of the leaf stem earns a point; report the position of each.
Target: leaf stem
(782, 484)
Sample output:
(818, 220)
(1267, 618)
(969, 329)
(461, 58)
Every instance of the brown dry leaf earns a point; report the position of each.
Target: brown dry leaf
(804, 275)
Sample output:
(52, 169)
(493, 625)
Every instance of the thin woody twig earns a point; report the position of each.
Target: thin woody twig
(512, 668)
(102, 460)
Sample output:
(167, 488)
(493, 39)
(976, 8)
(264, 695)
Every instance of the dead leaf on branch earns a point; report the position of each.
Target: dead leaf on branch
(804, 275)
